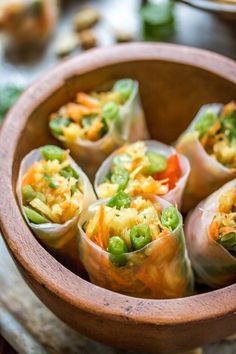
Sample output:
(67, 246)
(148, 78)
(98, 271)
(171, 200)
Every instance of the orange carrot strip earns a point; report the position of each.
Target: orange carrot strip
(101, 225)
(214, 230)
(29, 176)
(86, 100)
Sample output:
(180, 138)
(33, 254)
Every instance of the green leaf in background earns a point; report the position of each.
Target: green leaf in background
(8, 96)
(158, 19)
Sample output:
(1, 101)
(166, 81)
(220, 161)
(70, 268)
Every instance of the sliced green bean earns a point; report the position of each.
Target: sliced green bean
(34, 216)
(170, 218)
(28, 193)
(157, 162)
(125, 88)
(228, 241)
(140, 236)
(110, 112)
(119, 201)
(52, 152)
(117, 249)
(56, 125)
(120, 176)
(206, 122)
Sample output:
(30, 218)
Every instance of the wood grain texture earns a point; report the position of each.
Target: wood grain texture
(174, 82)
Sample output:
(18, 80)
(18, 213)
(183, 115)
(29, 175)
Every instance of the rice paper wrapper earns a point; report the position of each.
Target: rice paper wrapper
(129, 127)
(159, 270)
(207, 174)
(60, 238)
(213, 264)
(174, 196)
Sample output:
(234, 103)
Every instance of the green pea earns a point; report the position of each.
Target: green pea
(228, 241)
(110, 112)
(140, 236)
(28, 193)
(56, 125)
(117, 249)
(170, 217)
(122, 159)
(34, 216)
(52, 152)
(69, 172)
(119, 201)
(120, 176)
(206, 122)
(125, 88)
(157, 163)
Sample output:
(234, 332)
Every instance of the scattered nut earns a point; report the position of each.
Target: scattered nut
(122, 36)
(66, 44)
(86, 18)
(87, 39)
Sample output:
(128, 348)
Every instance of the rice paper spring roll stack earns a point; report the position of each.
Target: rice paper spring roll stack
(144, 167)
(52, 191)
(135, 246)
(95, 124)
(211, 237)
(210, 146)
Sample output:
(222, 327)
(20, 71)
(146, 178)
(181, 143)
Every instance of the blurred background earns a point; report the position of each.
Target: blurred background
(36, 34)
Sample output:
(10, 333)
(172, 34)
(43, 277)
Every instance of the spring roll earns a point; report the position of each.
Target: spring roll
(95, 124)
(52, 191)
(135, 246)
(144, 167)
(211, 237)
(210, 145)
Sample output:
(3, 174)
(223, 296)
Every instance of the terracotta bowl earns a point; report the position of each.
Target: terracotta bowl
(174, 82)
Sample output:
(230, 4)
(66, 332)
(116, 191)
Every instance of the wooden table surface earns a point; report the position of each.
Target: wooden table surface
(193, 27)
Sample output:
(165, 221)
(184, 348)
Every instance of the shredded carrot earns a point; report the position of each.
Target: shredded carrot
(86, 100)
(134, 164)
(213, 230)
(29, 176)
(76, 111)
(101, 226)
(120, 281)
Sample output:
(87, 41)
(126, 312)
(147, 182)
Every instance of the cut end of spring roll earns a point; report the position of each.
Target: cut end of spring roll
(135, 246)
(210, 145)
(211, 237)
(144, 167)
(94, 124)
(52, 191)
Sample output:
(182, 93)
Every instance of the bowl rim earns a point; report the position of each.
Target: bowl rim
(36, 261)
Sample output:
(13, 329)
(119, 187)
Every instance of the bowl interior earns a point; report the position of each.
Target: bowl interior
(171, 94)
(174, 82)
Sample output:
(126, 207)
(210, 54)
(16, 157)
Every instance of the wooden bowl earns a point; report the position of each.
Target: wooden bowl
(174, 82)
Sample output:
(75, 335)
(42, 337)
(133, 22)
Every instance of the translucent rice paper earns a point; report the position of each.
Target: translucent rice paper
(129, 127)
(174, 196)
(58, 237)
(160, 270)
(214, 265)
(207, 174)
